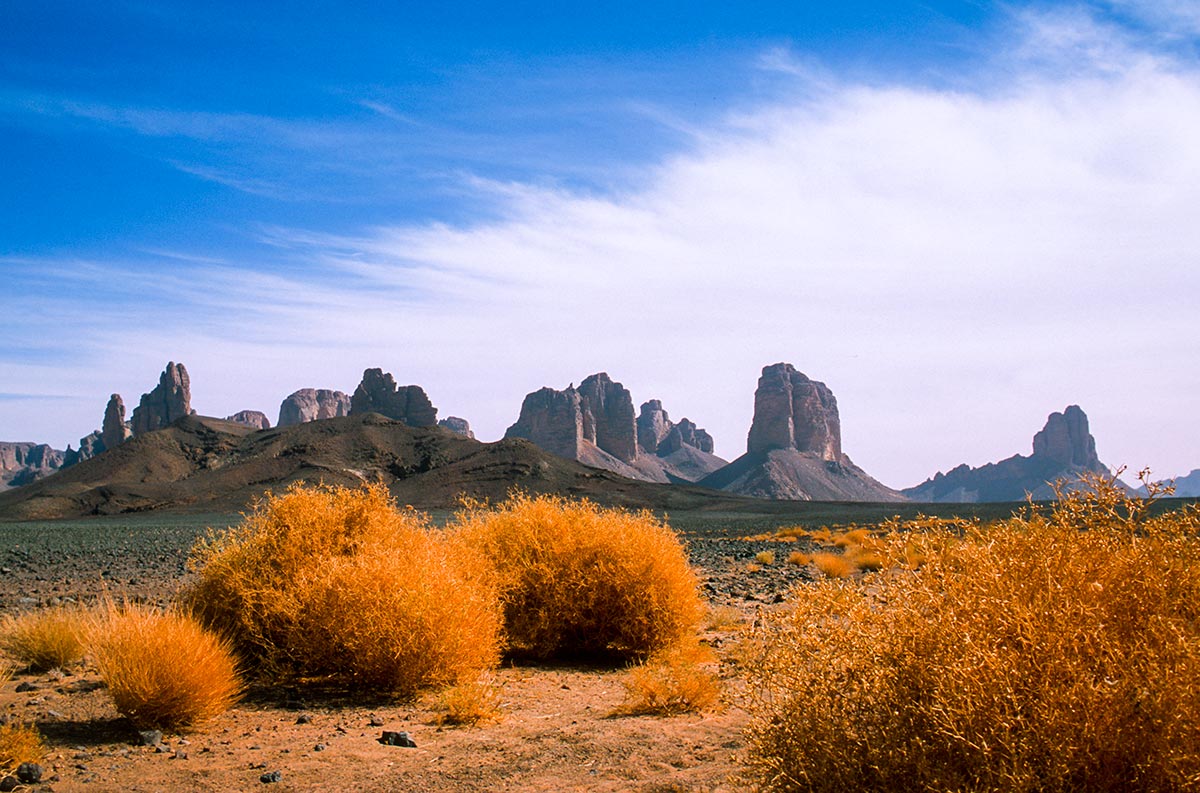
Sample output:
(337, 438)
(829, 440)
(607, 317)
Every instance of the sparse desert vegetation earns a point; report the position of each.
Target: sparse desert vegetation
(1076, 671)
(1056, 651)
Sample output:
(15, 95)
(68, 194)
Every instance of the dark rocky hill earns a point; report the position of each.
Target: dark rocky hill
(1063, 449)
(201, 464)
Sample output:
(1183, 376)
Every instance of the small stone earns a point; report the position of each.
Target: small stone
(271, 776)
(375, 721)
(9, 783)
(304, 718)
(26, 686)
(319, 747)
(180, 755)
(390, 738)
(150, 737)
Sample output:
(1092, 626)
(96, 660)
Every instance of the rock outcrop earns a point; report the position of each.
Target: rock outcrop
(90, 446)
(22, 463)
(313, 404)
(794, 449)
(1062, 450)
(793, 412)
(114, 431)
(251, 418)
(378, 393)
(596, 425)
(457, 426)
(169, 401)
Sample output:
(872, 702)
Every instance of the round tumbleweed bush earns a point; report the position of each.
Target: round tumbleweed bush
(334, 581)
(577, 579)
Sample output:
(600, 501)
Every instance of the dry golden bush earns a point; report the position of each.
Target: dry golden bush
(834, 565)
(333, 581)
(798, 558)
(402, 618)
(677, 679)
(470, 702)
(580, 580)
(44, 639)
(162, 669)
(19, 744)
(1056, 651)
(765, 557)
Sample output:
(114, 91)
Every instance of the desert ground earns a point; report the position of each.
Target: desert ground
(558, 730)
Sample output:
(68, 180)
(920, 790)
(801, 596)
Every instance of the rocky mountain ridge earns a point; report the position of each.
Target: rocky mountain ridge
(1063, 449)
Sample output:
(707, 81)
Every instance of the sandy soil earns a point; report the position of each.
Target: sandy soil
(558, 731)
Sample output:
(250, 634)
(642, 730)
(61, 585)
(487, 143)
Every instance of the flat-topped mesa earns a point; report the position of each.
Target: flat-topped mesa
(458, 426)
(793, 412)
(1067, 440)
(378, 393)
(312, 404)
(114, 431)
(251, 418)
(169, 401)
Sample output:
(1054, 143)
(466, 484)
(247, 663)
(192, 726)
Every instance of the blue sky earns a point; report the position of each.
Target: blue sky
(960, 215)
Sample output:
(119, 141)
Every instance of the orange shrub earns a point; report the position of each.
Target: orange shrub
(163, 670)
(336, 581)
(834, 565)
(577, 579)
(1056, 651)
(798, 558)
(44, 639)
(19, 744)
(677, 679)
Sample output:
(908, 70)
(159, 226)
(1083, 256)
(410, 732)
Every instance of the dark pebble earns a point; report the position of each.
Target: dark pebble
(150, 737)
(26, 686)
(271, 776)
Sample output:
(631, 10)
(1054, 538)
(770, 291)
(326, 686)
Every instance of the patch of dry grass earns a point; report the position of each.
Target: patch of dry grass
(44, 639)
(162, 669)
(1056, 651)
(834, 565)
(579, 580)
(678, 679)
(19, 744)
(471, 702)
(798, 558)
(765, 557)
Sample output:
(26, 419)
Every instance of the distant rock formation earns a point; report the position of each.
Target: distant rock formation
(1063, 449)
(1188, 486)
(457, 426)
(251, 418)
(794, 449)
(114, 431)
(378, 393)
(22, 463)
(596, 425)
(169, 401)
(793, 412)
(656, 430)
(90, 446)
(312, 404)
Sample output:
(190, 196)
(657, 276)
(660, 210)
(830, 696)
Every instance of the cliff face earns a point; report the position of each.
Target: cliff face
(167, 402)
(22, 463)
(1063, 449)
(596, 425)
(312, 404)
(378, 393)
(794, 449)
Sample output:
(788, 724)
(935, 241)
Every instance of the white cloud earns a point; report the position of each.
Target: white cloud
(955, 264)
